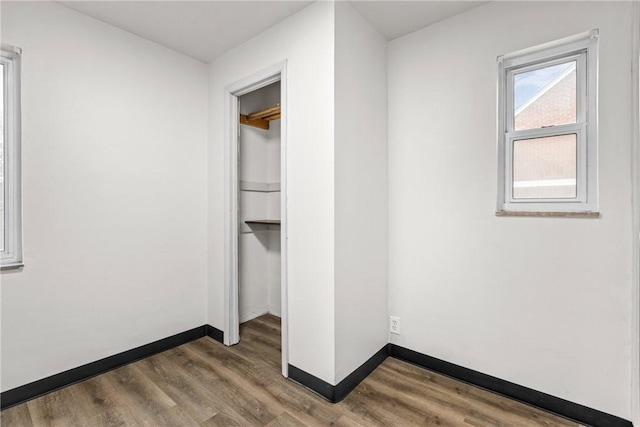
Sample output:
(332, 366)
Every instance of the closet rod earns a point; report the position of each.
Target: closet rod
(264, 114)
(261, 119)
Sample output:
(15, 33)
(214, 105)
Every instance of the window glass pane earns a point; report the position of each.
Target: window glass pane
(545, 96)
(545, 168)
(2, 180)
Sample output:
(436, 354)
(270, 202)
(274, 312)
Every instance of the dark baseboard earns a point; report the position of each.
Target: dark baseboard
(345, 386)
(313, 383)
(335, 393)
(35, 389)
(556, 405)
(215, 333)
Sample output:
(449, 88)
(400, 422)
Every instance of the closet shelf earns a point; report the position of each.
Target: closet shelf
(263, 221)
(261, 119)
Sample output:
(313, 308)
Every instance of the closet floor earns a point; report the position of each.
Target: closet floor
(204, 383)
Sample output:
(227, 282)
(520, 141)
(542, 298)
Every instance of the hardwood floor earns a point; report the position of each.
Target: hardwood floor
(204, 383)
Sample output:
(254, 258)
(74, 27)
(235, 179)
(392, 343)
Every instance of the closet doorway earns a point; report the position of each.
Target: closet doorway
(255, 206)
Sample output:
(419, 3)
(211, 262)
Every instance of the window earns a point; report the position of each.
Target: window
(10, 197)
(547, 130)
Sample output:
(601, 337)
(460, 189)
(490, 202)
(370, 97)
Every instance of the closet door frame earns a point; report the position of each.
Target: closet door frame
(277, 72)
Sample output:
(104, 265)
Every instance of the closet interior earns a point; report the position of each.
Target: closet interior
(259, 204)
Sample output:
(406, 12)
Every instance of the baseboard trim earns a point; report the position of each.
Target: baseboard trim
(345, 386)
(215, 333)
(335, 393)
(312, 383)
(582, 414)
(55, 382)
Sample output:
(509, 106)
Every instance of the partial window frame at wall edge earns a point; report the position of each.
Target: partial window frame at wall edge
(12, 255)
(586, 202)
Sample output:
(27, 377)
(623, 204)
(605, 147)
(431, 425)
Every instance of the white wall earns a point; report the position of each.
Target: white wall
(635, 162)
(361, 191)
(542, 302)
(114, 168)
(275, 277)
(305, 40)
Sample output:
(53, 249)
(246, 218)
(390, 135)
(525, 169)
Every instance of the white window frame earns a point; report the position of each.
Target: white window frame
(583, 48)
(11, 256)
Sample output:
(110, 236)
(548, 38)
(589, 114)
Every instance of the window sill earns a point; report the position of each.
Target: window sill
(18, 266)
(550, 214)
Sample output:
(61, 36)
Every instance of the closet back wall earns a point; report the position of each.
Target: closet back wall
(259, 245)
(114, 166)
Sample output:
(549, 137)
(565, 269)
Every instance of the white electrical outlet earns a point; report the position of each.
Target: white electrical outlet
(394, 325)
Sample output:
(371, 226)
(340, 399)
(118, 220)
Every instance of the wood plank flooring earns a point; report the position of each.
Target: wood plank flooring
(204, 383)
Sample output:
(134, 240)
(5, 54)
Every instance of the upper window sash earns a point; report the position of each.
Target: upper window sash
(581, 95)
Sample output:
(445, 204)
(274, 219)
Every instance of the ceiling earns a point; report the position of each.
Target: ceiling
(206, 29)
(396, 18)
